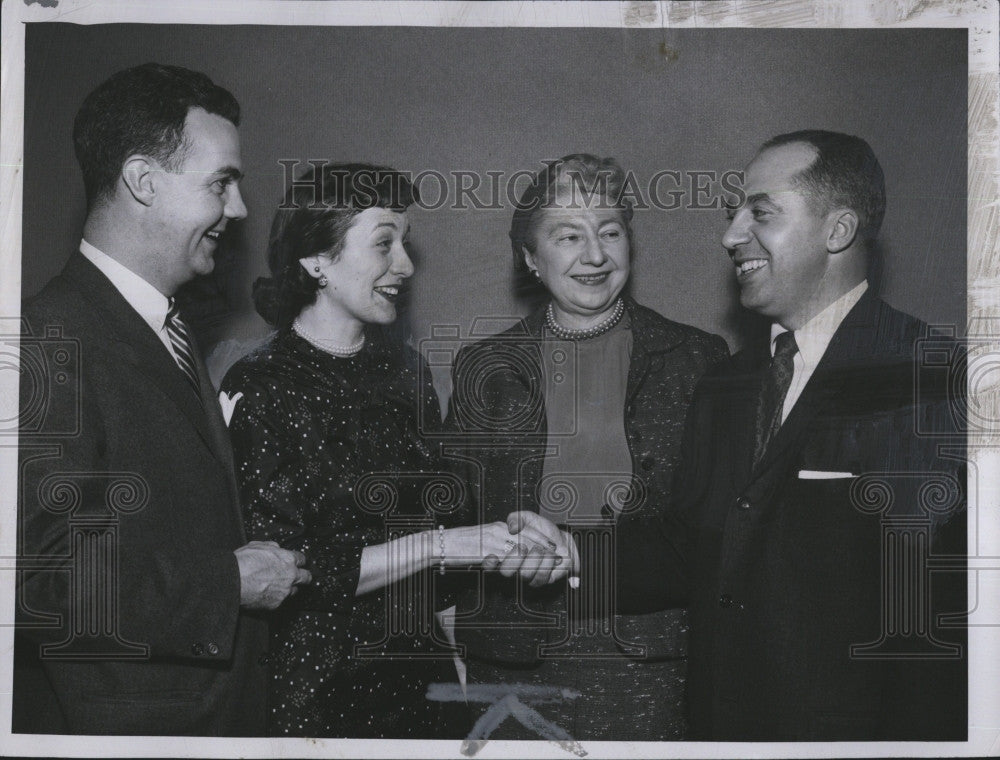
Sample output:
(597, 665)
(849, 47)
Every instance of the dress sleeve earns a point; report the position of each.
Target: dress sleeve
(292, 492)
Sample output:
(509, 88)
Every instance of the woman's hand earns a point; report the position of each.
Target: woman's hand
(539, 530)
(527, 545)
(526, 550)
(472, 545)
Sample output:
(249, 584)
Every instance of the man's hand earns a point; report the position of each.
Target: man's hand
(537, 566)
(269, 574)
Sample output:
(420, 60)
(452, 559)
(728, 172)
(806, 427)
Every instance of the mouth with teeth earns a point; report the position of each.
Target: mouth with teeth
(744, 268)
(214, 235)
(591, 279)
(388, 292)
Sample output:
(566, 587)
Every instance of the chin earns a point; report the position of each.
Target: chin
(204, 266)
(749, 301)
(382, 318)
(602, 304)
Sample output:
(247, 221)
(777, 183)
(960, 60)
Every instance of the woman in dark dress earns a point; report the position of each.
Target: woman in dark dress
(576, 413)
(332, 430)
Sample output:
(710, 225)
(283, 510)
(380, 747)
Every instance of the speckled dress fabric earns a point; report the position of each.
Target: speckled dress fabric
(329, 458)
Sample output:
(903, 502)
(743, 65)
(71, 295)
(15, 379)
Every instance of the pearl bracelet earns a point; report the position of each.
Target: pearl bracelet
(441, 542)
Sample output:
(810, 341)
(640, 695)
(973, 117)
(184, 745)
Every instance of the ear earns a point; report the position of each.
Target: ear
(312, 265)
(529, 259)
(843, 231)
(137, 173)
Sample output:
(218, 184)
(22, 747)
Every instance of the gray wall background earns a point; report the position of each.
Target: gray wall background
(504, 99)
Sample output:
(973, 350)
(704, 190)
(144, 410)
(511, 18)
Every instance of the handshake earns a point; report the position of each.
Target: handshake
(526, 545)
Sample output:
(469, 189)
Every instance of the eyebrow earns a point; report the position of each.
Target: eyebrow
(749, 201)
(391, 225)
(563, 225)
(229, 171)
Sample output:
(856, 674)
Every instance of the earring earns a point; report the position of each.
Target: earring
(316, 269)
(322, 282)
(535, 274)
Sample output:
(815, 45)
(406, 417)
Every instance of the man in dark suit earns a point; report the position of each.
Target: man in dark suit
(136, 587)
(814, 496)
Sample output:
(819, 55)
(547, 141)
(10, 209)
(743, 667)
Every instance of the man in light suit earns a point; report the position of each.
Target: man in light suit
(813, 496)
(138, 596)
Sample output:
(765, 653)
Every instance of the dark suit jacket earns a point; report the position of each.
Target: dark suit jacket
(785, 574)
(498, 411)
(128, 590)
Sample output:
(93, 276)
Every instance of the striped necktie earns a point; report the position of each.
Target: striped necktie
(774, 388)
(181, 344)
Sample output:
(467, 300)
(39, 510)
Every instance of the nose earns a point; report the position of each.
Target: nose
(738, 231)
(593, 252)
(235, 208)
(402, 264)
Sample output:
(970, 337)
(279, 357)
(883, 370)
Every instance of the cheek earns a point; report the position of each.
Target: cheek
(541, 258)
(781, 247)
(621, 257)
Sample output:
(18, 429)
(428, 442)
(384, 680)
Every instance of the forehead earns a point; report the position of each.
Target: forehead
(575, 208)
(211, 142)
(773, 171)
(372, 219)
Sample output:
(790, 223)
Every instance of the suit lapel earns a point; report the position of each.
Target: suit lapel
(855, 340)
(741, 406)
(136, 344)
(220, 441)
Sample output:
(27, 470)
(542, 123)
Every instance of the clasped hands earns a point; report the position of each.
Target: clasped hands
(526, 545)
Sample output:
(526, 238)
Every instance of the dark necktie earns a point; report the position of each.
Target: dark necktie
(182, 345)
(774, 388)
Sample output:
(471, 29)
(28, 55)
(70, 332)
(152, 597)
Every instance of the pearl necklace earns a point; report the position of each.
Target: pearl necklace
(326, 345)
(566, 333)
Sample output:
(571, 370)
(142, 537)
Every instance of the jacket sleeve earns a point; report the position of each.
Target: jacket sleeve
(926, 697)
(652, 552)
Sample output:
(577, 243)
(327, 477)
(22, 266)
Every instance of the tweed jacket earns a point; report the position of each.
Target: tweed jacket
(803, 626)
(129, 618)
(498, 413)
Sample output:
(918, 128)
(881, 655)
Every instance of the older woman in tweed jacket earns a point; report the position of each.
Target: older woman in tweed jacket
(576, 412)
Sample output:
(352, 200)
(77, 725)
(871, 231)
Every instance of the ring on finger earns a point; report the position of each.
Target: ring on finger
(508, 547)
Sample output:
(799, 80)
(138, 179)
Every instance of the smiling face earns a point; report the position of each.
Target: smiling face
(778, 240)
(196, 200)
(581, 254)
(364, 279)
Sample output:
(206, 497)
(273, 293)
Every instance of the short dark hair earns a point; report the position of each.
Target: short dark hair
(314, 217)
(844, 173)
(585, 173)
(141, 110)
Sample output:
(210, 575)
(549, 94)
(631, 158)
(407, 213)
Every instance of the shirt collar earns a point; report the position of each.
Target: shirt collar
(149, 302)
(815, 335)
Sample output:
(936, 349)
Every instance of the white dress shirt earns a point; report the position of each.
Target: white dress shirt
(812, 339)
(150, 303)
